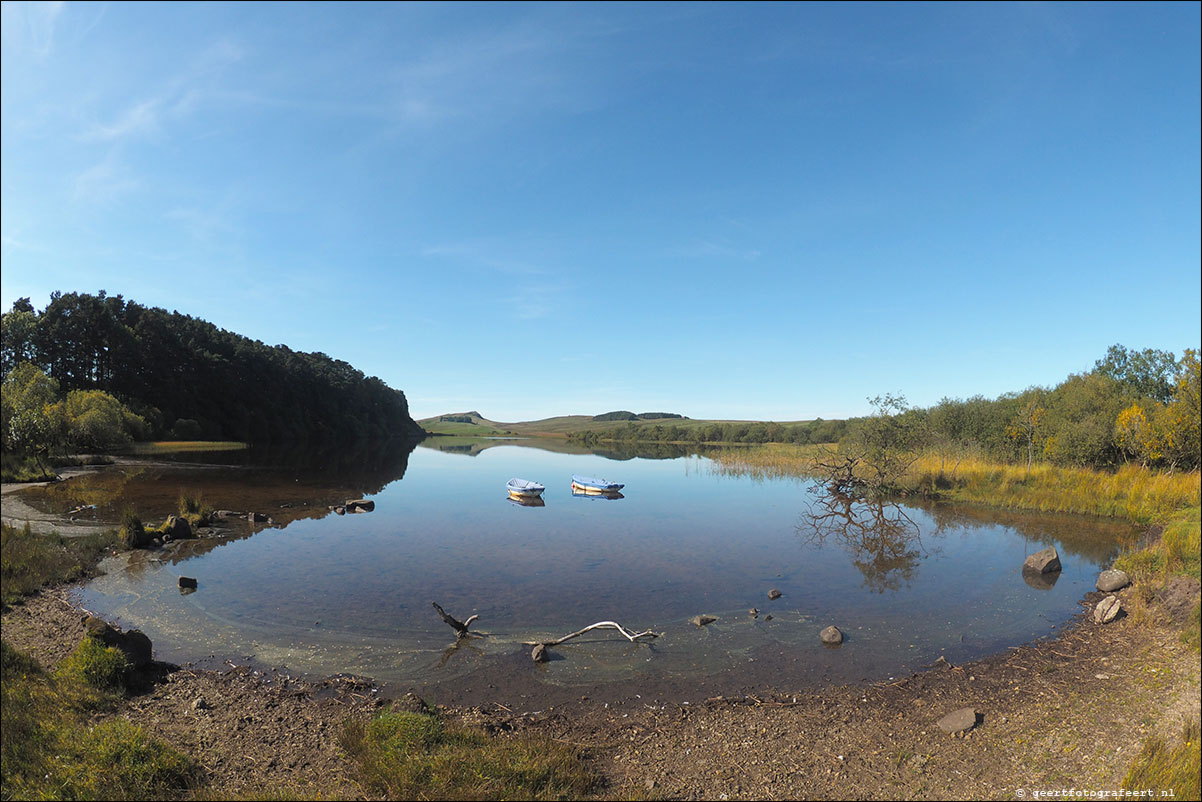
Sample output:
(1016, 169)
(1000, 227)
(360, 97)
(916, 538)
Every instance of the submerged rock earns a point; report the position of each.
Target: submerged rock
(539, 653)
(774, 594)
(1042, 562)
(702, 620)
(831, 635)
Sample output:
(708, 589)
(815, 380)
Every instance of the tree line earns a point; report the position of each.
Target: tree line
(188, 379)
(1133, 406)
(815, 431)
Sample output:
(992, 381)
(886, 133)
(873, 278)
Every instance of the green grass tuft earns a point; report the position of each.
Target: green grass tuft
(417, 756)
(1169, 768)
(104, 668)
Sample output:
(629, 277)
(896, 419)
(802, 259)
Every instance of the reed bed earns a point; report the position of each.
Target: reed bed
(1131, 492)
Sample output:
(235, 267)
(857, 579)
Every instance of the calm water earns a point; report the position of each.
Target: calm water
(322, 593)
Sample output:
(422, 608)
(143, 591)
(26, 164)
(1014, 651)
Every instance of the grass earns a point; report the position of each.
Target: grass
(1130, 493)
(33, 561)
(419, 756)
(171, 446)
(1169, 768)
(51, 748)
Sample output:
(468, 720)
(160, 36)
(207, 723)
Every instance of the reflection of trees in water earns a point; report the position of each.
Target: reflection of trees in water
(1082, 536)
(884, 542)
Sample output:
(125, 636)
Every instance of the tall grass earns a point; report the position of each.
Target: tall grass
(1133, 493)
(32, 561)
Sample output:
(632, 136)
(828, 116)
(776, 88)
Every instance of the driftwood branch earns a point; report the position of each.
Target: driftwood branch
(460, 627)
(539, 654)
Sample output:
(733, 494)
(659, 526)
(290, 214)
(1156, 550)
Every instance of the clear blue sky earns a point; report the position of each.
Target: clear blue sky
(727, 211)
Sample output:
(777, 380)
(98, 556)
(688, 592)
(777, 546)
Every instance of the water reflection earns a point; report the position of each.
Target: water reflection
(885, 543)
(286, 484)
(527, 501)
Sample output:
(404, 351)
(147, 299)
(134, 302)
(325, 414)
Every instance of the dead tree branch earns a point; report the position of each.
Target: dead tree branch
(460, 627)
(539, 654)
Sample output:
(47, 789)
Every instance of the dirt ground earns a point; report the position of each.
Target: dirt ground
(1066, 713)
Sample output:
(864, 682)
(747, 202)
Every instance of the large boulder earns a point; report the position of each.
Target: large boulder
(1043, 562)
(1112, 580)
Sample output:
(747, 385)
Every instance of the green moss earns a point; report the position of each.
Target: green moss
(416, 756)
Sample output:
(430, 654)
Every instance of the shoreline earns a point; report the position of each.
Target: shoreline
(1070, 710)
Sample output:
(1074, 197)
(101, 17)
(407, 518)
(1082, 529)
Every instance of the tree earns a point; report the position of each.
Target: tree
(32, 418)
(1149, 373)
(1183, 415)
(1027, 425)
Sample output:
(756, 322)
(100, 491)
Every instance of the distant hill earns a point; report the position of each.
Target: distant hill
(622, 425)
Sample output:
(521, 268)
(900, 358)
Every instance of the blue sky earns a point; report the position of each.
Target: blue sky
(728, 211)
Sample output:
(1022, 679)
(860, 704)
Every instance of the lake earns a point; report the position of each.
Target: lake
(322, 593)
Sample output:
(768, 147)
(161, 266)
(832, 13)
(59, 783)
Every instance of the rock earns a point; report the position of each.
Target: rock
(774, 594)
(134, 644)
(258, 517)
(227, 514)
(199, 703)
(178, 528)
(831, 635)
(768, 617)
(1107, 610)
(360, 505)
(959, 722)
(187, 582)
(539, 653)
(410, 703)
(339, 510)
(1043, 562)
(753, 612)
(702, 620)
(1112, 580)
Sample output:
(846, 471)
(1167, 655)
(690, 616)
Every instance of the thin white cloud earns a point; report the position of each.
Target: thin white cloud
(31, 26)
(103, 182)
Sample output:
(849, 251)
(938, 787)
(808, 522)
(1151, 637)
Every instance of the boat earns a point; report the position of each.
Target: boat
(523, 488)
(588, 484)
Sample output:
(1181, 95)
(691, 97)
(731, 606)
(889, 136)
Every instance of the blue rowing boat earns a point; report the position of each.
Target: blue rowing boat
(588, 484)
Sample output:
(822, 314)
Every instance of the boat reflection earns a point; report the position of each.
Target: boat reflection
(527, 501)
(609, 496)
